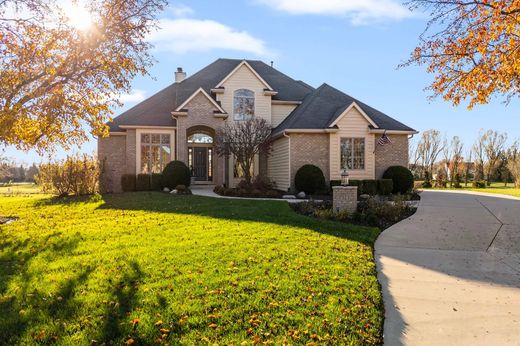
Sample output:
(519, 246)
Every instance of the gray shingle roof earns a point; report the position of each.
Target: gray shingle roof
(156, 110)
(320, 108)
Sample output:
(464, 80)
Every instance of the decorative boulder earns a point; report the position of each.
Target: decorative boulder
(288, 197)
(166, 189)
(364, 196)
(173, 192)
(301, 194)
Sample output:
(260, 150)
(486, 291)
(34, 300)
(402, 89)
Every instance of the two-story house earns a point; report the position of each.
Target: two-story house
(321, 126)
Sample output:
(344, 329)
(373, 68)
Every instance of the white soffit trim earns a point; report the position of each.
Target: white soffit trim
(200, 90)
(393, 132)
(354, 105)
(250, 68)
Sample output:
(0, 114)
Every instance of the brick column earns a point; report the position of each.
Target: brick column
(344, 197)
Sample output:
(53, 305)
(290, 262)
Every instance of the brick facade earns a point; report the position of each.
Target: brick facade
(112, 154)
(200, 116)
(309, 148)
(344, 198)
(394, 154)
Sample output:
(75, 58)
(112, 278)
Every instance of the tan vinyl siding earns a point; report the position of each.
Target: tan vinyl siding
(244, 78)
(278, 164)
(352, 125)
(280, 112)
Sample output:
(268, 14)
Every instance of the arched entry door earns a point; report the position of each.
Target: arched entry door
(200, 156)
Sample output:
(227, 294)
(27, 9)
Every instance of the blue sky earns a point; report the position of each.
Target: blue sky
(352, 45)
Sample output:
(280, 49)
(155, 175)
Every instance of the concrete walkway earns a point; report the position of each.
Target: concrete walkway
(450, 274)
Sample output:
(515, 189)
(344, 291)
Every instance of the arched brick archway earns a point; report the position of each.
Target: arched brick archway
(201, 154)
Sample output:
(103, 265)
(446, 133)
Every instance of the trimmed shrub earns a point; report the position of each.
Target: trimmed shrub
(335, 183)
(309, 179)
(262, 183)
(128, 182)
(354, 182)
(369, 187)
(385, 186)
(219, 189)
(176, 173)
(426, 184)
(155, 182)
(480, 184)
(402, 178)
(359, 184)
(142, 182)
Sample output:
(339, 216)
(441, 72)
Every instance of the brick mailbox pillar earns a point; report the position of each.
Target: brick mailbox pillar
(344, 197)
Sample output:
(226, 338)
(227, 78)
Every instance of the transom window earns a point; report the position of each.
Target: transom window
(352, 153)
(155, 152)
(200, 138)
(243, 104)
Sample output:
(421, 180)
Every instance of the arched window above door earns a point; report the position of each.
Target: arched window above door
(200, 138)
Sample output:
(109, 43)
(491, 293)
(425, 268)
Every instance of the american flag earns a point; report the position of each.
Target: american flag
(384, 140)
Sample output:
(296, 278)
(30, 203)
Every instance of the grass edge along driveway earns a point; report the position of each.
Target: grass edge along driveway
(143, 268)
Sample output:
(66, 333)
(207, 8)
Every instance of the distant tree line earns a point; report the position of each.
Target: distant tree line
(10, 172)
(440, 162)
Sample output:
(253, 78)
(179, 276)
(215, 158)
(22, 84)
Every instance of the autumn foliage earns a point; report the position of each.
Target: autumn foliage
(57, 81)
(471, 47)
(76, 175)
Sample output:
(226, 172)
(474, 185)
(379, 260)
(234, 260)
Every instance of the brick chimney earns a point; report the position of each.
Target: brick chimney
(180, 75)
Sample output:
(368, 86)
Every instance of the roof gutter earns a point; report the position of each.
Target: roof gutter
(285, 133)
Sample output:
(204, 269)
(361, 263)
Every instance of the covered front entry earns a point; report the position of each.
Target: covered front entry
(201, 155)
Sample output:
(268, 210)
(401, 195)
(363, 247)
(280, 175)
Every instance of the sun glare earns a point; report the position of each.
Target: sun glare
(78, 16)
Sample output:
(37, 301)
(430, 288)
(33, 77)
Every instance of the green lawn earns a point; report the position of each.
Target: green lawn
(496, 188)
(154, 268)
(17, 189)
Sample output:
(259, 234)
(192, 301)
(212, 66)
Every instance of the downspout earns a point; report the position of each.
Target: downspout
(289, 139)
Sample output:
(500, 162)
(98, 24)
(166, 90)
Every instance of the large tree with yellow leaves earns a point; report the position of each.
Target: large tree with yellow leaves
(472, 48)
(62, 69)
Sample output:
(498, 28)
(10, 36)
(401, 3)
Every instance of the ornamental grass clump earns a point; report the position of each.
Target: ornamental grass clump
(76, 175)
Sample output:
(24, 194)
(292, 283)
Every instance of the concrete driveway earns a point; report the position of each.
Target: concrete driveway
(450, 274)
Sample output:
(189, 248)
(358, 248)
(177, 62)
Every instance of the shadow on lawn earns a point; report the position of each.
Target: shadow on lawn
(27, 307)
(18, 311)
(124, 293)
(275, 212)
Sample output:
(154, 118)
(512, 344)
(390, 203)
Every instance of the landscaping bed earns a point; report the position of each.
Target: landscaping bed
(375, 211)
(151, 268)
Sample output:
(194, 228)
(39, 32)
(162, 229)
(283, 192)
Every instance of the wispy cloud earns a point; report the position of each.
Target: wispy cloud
(359, 11)
(181, 10)
(137, 95)
(184, 35)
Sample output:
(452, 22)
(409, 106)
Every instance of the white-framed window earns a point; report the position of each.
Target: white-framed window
(155, 152)
(352, 153)
(243, 104)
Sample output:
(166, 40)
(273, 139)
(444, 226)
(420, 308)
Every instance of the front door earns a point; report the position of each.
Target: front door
(200, 163)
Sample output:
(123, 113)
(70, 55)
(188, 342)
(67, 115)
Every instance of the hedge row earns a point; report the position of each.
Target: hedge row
(370, 187)
(141, 182)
